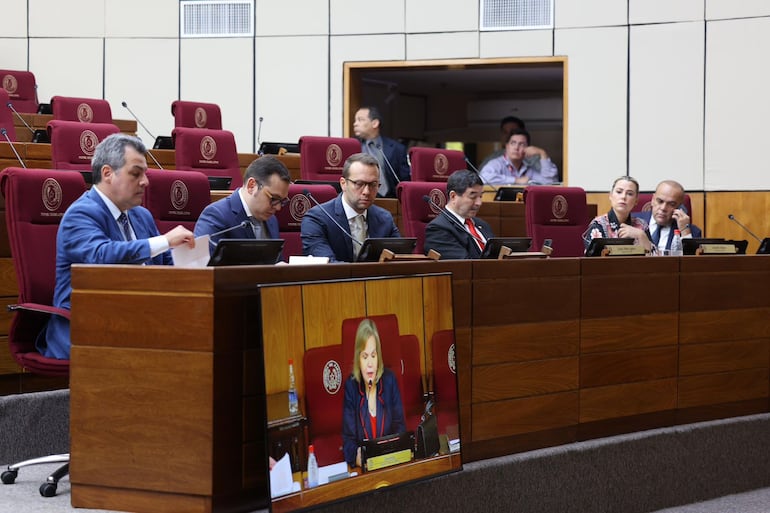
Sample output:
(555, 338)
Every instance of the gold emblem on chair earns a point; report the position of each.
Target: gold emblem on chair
(437, 201)
(298, 207)
(208, 147)
(451, 361)
(200, 117)
(332, 377)
(88, 142)
(10, 84)
(179, 195)
(52, 194)
(440, 164)
(333, 155)
(85, 113)
(559, 206)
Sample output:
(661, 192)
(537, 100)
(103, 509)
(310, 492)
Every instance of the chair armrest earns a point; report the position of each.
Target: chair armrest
(36, 307)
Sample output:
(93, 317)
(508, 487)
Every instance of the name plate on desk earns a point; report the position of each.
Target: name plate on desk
(388, 460)
(716, 249)
(623, 250)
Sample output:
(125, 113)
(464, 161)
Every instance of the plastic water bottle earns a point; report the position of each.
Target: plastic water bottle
(293, 402)
(676, 244)
(312, 468)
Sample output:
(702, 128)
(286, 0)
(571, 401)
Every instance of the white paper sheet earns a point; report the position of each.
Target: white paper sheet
(281, 479)
(185, 256)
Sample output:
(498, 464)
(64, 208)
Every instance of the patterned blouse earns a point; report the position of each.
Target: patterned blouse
(606, 226)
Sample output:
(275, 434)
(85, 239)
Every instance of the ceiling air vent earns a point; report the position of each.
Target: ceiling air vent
(516, 14)
(216, 18)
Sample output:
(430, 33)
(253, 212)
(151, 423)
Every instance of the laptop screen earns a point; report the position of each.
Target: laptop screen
(372, 248)
(246, 252)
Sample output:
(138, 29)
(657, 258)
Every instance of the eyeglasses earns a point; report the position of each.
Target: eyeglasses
(274, 200)
(360, 184)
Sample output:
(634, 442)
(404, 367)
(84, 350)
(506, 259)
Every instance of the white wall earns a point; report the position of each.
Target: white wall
(676, 88)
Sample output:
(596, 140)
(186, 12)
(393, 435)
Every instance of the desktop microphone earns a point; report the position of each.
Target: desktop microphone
(474, 168)
(38, 136)
(733, 219)
(124, 104)
(392, 171)
(5, 134)
(10, 106)
(343, 230)
(242, 224)
(259, 137)
(370, 384)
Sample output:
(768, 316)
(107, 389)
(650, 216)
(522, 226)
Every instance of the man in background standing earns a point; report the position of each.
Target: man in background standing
(390, 154)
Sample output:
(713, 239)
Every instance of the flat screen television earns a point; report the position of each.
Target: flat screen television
(373, 247)
(517, 245)
(598, 244)
(318, 335)
(246, 252)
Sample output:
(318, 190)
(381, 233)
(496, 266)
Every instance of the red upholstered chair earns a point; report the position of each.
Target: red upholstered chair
(176, 197)
(322, 158)
(6, 117)
(290, 216)
(558, 213)
(444, 378)
(324, 396)
(434, 164)
(644, 204)
(211, 152)
(21, 88)
(73, 143)
(35, 200)
(416, 213)
(196, 115)
(84, 110)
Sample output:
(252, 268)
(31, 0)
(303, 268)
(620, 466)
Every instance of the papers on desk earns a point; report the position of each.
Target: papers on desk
(185, 256)
(281, 478)
(336, 471)
(307, 260)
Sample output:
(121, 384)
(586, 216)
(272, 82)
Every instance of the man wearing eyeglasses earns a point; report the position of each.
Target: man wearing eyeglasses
(337, 228)
(265, 190)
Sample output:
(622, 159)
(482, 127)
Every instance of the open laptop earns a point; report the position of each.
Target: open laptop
(246, 252)
(400, 446)
(599, 243)
(517, 245)
(372, 248)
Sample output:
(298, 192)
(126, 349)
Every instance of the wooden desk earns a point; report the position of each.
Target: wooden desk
(40, 122)
(287, 432)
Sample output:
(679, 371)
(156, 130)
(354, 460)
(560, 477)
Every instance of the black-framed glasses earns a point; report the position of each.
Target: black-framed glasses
(360, 184)
(274, 200)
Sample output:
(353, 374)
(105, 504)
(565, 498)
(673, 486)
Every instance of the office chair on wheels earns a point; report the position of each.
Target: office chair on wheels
(35, 200)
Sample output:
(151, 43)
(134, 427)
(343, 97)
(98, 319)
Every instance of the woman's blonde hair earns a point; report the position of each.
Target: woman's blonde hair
(627, 179)
(366, 329)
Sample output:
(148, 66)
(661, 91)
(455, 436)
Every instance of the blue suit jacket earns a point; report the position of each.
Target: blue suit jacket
(88, 234)
(226, 213)
(646, 216)
(322, 238)
(356, 423)
(452, 240)
(395, 152)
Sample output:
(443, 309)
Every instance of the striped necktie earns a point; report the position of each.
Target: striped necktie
(125, 226)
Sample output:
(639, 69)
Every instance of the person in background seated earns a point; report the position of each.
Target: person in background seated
(668, 214)
(265, 190)
(507, 124)
(372, 405)
(107, 225)
(388, 152)
(618, 222)
(456, 233)
(516, 166)
(328, 230)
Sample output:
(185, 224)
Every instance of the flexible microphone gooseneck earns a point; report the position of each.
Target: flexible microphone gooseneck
(259, 136)
(242, 224)
(124, 104)
(343, 230)
(733, 219)
(475, 169)
(392, 171)
(453, 219)
(21, 118)
(5, 134)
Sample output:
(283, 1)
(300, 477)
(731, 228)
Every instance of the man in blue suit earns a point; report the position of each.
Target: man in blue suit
(265, 190)
(328, 229)
(107, 225)
(668, 214)
(390, 154)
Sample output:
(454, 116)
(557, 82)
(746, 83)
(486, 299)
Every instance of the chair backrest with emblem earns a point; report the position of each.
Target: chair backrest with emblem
(84, 110)
(324, 397)
(322, 158)
(644, 203)
(176, 197)
(21, 88)
(290, 217)
(416, 213)
(557, 213)
(434, 164)
(211, 152)
(73, 143)
(6, 116)
(196, 114)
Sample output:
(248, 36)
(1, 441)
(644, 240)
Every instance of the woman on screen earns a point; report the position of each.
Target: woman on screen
(372, 405)
(618, 222)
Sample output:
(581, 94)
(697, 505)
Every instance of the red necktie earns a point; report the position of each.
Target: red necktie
(474, 233)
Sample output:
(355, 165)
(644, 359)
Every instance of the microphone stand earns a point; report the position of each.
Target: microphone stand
(5, 134)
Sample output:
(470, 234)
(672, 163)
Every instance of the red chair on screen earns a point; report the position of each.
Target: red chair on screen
(84, 110)
(644, 203)
(211, 152)
(290, 217)
(557, 213)
(6, 117)
(21, 88)
(434, 164)
(35, 201)
(176, 197)
(416, 213)
(324, 397)
(196, 115)
(445, 378)
(73, 143)
(322, 158)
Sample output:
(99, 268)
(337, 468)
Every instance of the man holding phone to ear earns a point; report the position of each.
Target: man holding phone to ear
(668, 213)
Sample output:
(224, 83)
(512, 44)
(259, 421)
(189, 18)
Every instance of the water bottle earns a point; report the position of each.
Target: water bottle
(312, 468)
(293, 402)
(676, 244)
